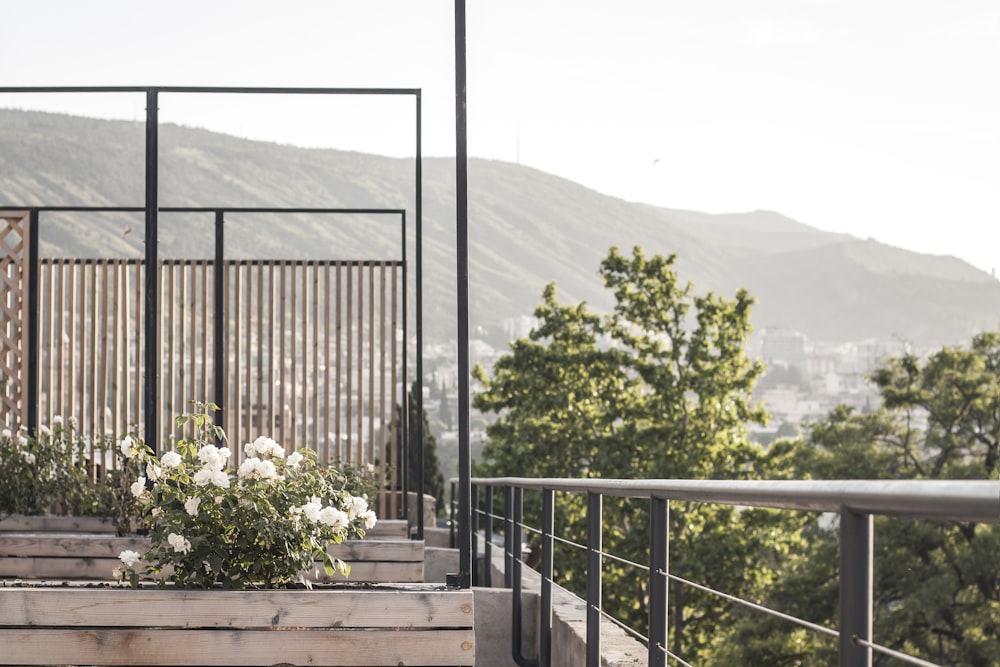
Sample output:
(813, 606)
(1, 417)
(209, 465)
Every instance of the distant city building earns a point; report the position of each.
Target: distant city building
(784, 346)
(519, 327)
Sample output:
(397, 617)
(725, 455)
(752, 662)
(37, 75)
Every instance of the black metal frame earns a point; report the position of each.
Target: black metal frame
(152, 209)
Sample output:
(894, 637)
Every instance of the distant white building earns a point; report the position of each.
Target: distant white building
(784, 346)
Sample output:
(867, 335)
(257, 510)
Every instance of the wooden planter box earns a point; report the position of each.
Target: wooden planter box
(378, 625)
(59, 555)
(384, 529)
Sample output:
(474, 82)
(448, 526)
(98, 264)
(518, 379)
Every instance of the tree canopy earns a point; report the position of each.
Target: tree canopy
(659, 388)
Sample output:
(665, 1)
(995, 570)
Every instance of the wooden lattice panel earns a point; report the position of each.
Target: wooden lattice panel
(13, 314)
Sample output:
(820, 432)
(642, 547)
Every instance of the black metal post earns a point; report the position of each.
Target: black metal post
(151, 367)
(404, 449)
(418, 206)
(856, 578)
(475, 535)
(219, 318)
(594, 545)
(545, 613)
(488, 546)
(33, 275)
(515, 594)
(508, 536)
(462, 274)
(659, 563)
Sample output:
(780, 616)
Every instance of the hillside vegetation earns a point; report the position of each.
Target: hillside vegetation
(526, 228)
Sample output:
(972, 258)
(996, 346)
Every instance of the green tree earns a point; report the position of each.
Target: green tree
(659, 388)
(937, 584)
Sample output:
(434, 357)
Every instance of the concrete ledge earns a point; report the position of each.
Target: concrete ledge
(569, 620)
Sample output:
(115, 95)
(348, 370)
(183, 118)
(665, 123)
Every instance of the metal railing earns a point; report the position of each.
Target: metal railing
(856, 503)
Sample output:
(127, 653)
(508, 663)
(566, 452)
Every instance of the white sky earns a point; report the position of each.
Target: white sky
(879, 118)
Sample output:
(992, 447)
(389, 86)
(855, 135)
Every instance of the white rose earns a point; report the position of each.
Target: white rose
(179, 543)
(333, 517)
(248, 467)
(170, 459)
(57, 420)
(5, 433)
(220, 478)
(129, 557)
(370, 519)
(355, 506)
(138, 487)
(128, 447)
(153, 471)
(294, 460)
(191, 505)
(311, 510)
(29, 458)
(266, 470)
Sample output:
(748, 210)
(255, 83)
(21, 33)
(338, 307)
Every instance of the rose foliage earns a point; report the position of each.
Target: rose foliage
(262, 523)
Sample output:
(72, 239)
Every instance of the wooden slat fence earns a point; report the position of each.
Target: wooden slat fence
(312, 354)
(14, 239)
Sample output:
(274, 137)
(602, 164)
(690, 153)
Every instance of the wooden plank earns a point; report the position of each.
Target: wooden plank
(78, 524)
(388, 529)
(68, 545)
(398, 607)
(234, 647)
(102, 568)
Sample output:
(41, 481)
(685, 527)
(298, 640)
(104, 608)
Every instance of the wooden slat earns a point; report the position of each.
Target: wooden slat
(102, 569)
(90, 545)
(395, 607)
(221, 647)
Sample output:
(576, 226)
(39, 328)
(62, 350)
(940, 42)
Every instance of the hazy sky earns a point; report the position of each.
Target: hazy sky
(879, 118)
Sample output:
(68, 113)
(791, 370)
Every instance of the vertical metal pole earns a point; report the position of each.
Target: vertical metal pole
(151, 367)
(452, 542)
(856, 548)
(545, 613)
(219, 318)
(488, 546)
(659, 563)
(404, 450)
(418, 206)
(475, 535)
(462, 276)
(594, 545)
(33, 275)
(508, 536)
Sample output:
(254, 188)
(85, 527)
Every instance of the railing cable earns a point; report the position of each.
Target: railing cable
(753, 605)
(894, 654)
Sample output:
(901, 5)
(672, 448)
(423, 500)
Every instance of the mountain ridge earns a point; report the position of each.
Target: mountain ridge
(526, 228)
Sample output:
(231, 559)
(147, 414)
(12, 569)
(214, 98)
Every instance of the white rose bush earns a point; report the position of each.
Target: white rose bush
(264, 523)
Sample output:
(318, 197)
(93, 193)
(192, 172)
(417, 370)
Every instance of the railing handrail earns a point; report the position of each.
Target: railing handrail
(952, 500)
(855, 501)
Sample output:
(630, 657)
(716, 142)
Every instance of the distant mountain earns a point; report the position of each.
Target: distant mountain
(526, 228)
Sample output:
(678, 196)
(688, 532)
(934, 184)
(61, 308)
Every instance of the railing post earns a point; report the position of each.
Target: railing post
(508, 535)
(855, 588)
(515, 594)
(488, 546)
(545, 613)
(659, 564)
(452, 542)
(594, 546)
(475, 534)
